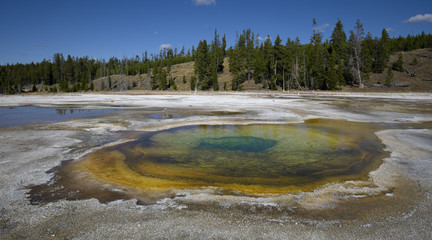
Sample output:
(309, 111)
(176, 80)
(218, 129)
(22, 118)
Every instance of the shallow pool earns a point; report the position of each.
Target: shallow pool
(21, 116)
(258, 158)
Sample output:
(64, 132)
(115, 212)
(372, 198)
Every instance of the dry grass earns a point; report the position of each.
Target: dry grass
(177, 72)
(180, 70)
(417, 83)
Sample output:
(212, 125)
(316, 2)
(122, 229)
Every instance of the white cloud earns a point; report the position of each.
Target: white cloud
(165, 46)
(204, 2)
(156, 33)
(322, 28)
(259, 38)
(389, 29)
(420, 18)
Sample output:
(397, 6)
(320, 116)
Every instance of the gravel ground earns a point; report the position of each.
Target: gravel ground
(395, 203)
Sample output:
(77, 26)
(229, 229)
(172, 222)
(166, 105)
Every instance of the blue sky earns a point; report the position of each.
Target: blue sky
(34, 30)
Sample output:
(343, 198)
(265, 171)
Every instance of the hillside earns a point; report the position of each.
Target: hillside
(143, 83)
(421, 81)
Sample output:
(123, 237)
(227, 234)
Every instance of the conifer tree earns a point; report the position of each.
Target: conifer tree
(217, 50)
(236, 68)
(268, 61)
(58, 71)
(237, 63)
(398, 65)
(250, 52)
(340, 75)
(201, 62)
(259, 66)
(205, 67)
(414, 61)
(69, 70)
(163, 80)
(382, 53)
(339, 42)
(193, 83)
(155, 78)
(367, 51)
(279, 53)
(224, 45)
(317, 68)
(212, 74)
(389, 77)
(332, 76)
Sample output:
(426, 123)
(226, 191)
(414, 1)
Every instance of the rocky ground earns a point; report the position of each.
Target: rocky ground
(394, 203)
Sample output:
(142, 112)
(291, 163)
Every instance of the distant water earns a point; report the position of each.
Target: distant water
(21, 116)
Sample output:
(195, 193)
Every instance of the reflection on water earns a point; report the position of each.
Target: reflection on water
(21, 116)
(163, 116)
(260, 158)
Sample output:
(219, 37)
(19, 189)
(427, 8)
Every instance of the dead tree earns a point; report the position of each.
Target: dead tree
(355, 41)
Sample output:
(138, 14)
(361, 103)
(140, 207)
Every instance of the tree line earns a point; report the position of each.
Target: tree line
(77, 74)
(325, 65)
(320, 64)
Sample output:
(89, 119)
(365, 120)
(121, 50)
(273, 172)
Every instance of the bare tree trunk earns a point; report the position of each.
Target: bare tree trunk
(297, 82)
(358, 68)
(312, 83)
(196, 85)
(296, 70)
(289, 83)
(359, 76)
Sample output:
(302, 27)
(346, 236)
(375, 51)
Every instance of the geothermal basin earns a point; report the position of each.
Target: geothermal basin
(169, 166)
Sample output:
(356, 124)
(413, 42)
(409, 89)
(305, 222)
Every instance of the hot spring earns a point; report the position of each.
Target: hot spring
(249, 159)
